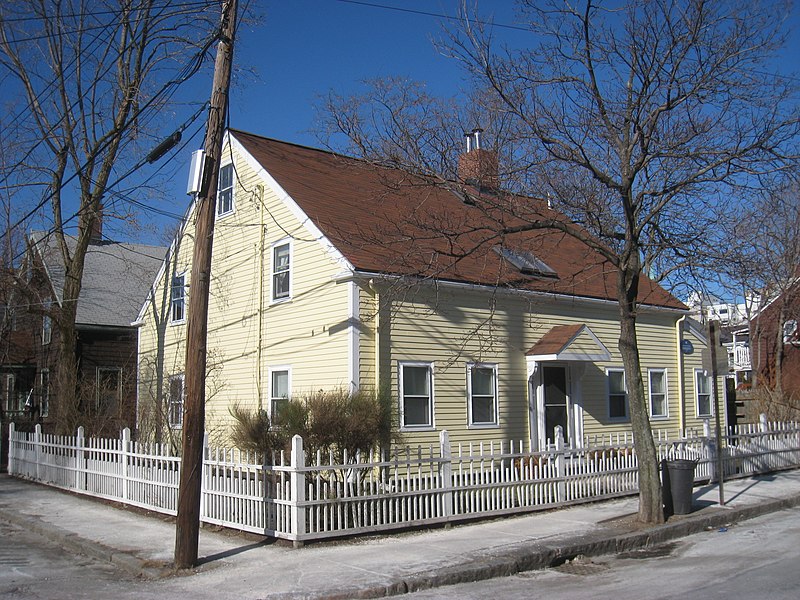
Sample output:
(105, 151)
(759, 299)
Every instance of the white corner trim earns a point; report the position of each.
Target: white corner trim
(353, 334)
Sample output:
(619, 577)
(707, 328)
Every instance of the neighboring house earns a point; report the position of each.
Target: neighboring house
(775, 332)
(116, 280)
(330, 272)
(18, 329)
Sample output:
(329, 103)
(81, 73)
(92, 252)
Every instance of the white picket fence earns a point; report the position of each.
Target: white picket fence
(302, 499)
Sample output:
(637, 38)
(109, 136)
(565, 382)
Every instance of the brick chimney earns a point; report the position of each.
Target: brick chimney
(477, 166)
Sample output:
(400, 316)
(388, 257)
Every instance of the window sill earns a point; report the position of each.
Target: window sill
(415, 428)
(176, 323)
(483, 426)
(278, 301)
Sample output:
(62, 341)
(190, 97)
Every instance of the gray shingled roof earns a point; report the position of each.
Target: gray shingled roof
(117, 277)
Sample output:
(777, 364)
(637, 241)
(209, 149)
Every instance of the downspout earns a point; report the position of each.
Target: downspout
(261, 234)
(377, 337)
(681, 390)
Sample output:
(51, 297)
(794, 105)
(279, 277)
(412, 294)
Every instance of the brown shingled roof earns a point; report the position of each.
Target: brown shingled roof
(387, 221)
(555, 340)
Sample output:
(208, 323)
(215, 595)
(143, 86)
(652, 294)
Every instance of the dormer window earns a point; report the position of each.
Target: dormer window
(526, 262)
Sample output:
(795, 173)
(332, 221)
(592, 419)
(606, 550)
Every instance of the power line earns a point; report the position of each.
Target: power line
(429, 14)
(45, 93)
(191, 68)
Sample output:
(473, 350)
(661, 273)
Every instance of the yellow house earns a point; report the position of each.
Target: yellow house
(330, 272)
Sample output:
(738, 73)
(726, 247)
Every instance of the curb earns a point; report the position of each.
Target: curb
(73, 542)
(536, 556)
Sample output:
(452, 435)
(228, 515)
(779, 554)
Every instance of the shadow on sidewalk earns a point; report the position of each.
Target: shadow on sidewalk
(204, 560)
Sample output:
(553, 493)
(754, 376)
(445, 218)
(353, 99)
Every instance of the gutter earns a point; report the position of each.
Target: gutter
(348, 275)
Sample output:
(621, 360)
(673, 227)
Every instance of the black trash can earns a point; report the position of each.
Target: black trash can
(677, 482)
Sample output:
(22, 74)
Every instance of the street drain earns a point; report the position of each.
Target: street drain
(658, 551)
(581, 565)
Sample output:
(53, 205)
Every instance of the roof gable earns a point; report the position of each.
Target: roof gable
(116, 278)
(575, 342)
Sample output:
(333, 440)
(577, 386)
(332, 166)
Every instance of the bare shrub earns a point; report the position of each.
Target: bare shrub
(335, 422)
(253, 432)
(777, 405)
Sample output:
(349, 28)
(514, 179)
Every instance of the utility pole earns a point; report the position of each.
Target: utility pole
(188, 520)
(712, 339)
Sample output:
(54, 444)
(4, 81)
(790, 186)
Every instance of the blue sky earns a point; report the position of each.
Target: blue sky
(300, 49)
(308, 47)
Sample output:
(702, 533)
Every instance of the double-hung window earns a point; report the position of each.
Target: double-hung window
(617, 395)
(175, 401)
(416, 395)
(109, 389)
(702, 386)
(279, 386)
(482, 394)
(659, 406)
(281, 271)
(177, 308)
(225, 191)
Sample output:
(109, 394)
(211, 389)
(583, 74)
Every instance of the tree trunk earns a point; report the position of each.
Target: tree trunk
(650, 502)
(68, 409)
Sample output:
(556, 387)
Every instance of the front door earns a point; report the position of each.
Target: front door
(555, 402)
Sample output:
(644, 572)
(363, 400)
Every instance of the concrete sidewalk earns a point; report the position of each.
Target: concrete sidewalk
(245, 566)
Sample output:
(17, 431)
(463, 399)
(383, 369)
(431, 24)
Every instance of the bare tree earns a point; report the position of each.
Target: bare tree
(639, 121)
(93, 76)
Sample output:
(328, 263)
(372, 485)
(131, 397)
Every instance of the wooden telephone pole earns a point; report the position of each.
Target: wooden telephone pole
(188, 520)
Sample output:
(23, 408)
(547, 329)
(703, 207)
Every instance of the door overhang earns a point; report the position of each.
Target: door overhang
(567, 343)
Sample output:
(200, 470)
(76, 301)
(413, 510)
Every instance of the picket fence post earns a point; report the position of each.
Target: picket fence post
(561, 474)
(298, 490)
(446, 473)
(12, 445)
(763, 424)
(37, 440)
(80, 461)
(126, 443)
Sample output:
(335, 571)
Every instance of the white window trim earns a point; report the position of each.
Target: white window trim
(182, 377)
(98, 371)
(222, 215)
(270, 372)
(655, 417)
(185, 296)
(698, 373)
(627, 416)
(431, 412)
(44, 399)
(47, 330)
(279, 243)
(496, 417)
(10, 392)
